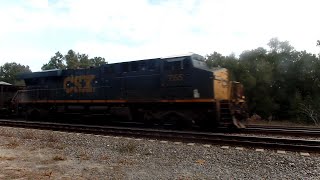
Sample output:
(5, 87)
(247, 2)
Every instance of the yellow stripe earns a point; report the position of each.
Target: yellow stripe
(120, 101)
(188, 100)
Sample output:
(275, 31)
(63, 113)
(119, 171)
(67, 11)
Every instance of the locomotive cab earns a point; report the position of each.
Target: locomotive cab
(189, 77)
(229, 95)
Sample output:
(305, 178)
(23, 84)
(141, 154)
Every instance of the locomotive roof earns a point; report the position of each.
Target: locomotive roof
(46, 73)
(178, 57)
(2, 83)
(58, 72)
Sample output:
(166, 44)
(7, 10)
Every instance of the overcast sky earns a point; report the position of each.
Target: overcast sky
(32, 31)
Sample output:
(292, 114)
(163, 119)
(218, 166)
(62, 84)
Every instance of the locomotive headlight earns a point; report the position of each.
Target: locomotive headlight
(196, 93)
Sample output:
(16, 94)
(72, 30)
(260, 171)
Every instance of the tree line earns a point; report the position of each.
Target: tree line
(280, 83)
(72, 60)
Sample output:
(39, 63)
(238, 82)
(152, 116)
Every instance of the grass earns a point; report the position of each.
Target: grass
(128, 148)
(125, 162)
(59, 158)
(13, 143)
(28, 135)
(104, 157)
(6, 158)
(51, 138)
(48, 174)
(84, 156)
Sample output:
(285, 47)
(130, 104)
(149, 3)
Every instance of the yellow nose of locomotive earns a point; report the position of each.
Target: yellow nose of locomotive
(221, 84)
(229, 95)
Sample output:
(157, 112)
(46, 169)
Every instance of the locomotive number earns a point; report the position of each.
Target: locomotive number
(78, 84)
(175, 77)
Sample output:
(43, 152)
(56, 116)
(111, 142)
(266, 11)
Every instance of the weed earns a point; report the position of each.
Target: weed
(84, 156)
(128, 148)
(104, 157)
(125, 162)
(59, 146)
(8, 133)
(50, 145)
(59, 158)
(6, 158)
(28, 135)
(13, 143)
(51, 138)
(48, 173)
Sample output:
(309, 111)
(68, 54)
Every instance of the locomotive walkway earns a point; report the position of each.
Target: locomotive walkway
(185, 136)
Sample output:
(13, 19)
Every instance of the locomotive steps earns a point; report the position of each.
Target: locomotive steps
(185, 136)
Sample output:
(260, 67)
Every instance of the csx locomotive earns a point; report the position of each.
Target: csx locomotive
(181, 90)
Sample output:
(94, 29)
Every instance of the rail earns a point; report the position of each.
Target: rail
(283, 130)
(185, 136)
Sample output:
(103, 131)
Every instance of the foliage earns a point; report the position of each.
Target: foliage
(72, 60)
(9, 72)
(56, 62)
(280, 83)
(309, 109)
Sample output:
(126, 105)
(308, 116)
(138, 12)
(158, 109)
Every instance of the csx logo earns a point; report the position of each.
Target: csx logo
(175, 77)
(78, 84)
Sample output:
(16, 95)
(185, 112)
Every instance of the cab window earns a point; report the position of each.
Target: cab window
(125, 67)
(134, 66)
(108, 69)
(177, 65)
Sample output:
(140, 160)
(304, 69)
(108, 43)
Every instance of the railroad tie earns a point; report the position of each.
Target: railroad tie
(304, 154)
(281, 152)
(224, 147)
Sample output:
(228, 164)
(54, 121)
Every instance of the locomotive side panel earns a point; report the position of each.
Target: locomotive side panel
(177, 88)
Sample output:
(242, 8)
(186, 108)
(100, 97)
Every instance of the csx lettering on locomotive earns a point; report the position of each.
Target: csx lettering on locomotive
(78, 84)
(175, 77)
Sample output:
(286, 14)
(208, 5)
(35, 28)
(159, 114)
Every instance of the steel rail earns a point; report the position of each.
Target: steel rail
(283, 130)
(185, 136)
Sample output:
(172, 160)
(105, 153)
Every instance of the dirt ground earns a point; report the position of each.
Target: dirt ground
(38, 154)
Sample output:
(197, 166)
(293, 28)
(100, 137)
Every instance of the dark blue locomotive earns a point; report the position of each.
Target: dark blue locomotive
(178, 89)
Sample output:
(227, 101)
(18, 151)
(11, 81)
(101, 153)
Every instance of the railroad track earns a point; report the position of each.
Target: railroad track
(185, 136)
(282, 130)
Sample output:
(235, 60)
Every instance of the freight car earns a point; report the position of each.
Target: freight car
(180, 90)
(7, 91)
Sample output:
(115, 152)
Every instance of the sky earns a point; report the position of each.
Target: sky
(32, 31)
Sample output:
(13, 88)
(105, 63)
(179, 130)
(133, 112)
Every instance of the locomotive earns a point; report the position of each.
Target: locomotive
(7, 91)
(180, 90)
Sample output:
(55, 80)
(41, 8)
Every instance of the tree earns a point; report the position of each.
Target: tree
(310, 109)
(9, 72)
(84, 61)
(279, 46)
(215, 59)
(72, 60)
(280, 82)
(98, 61)
(56, 62)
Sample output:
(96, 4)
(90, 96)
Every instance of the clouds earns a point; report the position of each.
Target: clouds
(125, 30)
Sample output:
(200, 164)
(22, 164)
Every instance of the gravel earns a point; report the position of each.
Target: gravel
(43, 154)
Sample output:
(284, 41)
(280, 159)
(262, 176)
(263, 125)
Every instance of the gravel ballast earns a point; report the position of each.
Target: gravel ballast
(44, 154)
